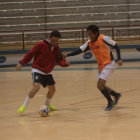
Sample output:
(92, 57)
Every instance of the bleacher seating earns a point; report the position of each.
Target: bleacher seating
(54, 14)
(15, 15)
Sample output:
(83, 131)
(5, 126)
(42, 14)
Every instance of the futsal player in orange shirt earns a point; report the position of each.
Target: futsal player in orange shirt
(100, 45)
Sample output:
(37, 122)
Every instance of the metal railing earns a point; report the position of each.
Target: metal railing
(74, 36)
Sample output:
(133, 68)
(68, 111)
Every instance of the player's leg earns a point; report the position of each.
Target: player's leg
(108, 71)
(36, 86)
(103, 77)
(49, 97)
(101, 86)
(31, 94)
(48, 81)
(114, 94)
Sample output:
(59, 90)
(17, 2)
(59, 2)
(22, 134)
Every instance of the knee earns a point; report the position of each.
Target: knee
(52, 89)
(31, 95)
(100, 86)
(34, 90)
(36, 87)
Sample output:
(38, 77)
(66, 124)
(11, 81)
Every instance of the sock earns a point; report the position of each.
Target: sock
(48, 101)
(106, 94)
(113, 93)
(26, 101)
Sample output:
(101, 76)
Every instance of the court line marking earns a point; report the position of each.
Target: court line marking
(84, 101)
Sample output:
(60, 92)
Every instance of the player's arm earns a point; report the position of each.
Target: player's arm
(83, 48)
(112, 43)
(60, 59)
(63, 63)
(28, 57)
(118, 54)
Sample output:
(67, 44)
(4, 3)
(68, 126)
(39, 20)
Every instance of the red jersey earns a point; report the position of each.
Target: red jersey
(45, 57)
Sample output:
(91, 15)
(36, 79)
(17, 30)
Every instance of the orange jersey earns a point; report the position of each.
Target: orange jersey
(101, 51)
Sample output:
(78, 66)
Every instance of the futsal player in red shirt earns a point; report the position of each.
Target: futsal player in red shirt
(45, 55)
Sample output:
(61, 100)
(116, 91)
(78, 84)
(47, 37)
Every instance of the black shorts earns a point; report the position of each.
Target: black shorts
(44, 80)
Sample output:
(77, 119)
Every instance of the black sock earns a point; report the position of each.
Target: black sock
(106, 94)
(113, 93)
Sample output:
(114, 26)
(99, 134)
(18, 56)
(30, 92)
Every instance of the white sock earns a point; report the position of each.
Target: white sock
(48, 101)
(26, 101)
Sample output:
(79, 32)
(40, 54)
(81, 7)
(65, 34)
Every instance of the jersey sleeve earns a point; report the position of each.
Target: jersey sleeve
(60, 59)
(84, 46)
(28, 57)
(109, 41)
(112, 43)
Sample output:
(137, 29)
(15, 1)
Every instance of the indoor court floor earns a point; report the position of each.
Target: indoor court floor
(80, 114)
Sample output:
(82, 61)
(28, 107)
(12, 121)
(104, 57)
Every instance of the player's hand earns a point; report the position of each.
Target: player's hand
(67, 63)
(120, 62)
(64, 55)
(18, 67)
(60, 56)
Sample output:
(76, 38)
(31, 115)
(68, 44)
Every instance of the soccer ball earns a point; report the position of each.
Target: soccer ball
(44, 111)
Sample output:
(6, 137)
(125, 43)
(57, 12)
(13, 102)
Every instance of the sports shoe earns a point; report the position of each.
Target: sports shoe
(21, 109)
(51, 107)
(109, 106)
(117, 98)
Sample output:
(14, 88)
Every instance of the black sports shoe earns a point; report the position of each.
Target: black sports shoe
(117, 98)
(109, 106)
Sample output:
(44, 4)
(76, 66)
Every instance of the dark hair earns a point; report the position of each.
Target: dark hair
(56, 34)
(93, 28)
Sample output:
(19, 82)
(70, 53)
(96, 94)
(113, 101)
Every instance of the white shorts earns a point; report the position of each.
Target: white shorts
(106, 71)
